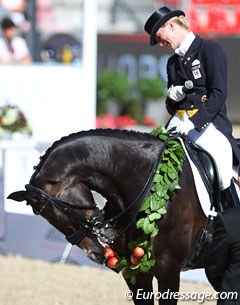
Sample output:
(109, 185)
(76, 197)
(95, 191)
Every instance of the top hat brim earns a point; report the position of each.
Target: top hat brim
(161, 22)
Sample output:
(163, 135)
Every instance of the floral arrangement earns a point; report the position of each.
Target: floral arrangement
(13, 120)
(110, 121)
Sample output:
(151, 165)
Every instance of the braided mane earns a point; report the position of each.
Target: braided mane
(116, 133)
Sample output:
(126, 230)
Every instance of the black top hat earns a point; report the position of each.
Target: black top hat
(157, 19)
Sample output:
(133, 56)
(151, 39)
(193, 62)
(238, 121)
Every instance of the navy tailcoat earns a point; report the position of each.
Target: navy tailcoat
(204, 63)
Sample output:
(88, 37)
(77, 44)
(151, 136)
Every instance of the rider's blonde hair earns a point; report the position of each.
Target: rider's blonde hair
(181, 21)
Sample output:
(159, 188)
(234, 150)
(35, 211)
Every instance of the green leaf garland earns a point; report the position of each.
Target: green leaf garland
(165, 182)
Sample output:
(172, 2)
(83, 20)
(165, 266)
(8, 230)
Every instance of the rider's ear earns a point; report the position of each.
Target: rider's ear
(171, 25)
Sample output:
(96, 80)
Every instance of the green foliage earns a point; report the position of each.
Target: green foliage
(133, 108)
(165, 182)
(111, 85)
(129, 270)
(152, 88)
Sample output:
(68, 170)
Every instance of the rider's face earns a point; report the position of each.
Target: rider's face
(167, 36)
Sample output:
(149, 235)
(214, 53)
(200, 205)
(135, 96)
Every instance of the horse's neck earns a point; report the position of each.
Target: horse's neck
(116, 168)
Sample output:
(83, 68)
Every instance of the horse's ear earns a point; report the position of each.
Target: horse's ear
(18, 196)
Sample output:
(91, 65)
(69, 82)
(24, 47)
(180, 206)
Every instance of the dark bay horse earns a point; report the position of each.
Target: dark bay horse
(120, 166)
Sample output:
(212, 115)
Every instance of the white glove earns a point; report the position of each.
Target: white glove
(184, 127)
(176, 93)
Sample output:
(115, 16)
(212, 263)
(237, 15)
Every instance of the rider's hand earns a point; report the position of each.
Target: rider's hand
(184, 127)
(176, 93)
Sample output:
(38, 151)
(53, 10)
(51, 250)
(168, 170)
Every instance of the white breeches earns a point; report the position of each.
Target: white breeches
(214, 142)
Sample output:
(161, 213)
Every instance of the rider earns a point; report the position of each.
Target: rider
(199, 112)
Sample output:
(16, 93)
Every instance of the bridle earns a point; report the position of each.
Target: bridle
(96, 225)
(67, 208)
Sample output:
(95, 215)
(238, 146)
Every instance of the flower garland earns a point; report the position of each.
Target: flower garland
(165, 182)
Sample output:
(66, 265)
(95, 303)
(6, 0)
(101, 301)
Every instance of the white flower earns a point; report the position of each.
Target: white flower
(10, 117)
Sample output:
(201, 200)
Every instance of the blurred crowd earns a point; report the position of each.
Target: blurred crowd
(14, 27)
(43, 27)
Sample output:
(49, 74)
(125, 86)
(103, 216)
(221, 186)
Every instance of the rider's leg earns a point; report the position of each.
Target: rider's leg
(174, 122)
(213, 141)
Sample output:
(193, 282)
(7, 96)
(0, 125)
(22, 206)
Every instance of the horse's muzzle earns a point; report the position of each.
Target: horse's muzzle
(96, 257)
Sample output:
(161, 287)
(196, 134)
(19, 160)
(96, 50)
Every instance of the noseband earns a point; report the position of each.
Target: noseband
(96, 225)
(87, 227)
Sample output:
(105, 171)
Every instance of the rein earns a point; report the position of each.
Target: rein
(107, 223)
(96, 225)
(139, 197)
(63, 206)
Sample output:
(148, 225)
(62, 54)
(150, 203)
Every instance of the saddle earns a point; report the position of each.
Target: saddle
(208, 172)
(207, 169)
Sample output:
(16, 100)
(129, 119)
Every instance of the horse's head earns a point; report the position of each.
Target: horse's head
(61, 186)
(81, 223)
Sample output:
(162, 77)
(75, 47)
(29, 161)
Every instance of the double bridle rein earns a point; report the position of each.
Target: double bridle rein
(68, 209)
(96, 225)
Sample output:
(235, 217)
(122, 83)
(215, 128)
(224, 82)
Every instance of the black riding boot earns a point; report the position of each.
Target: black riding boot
(230, 197)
